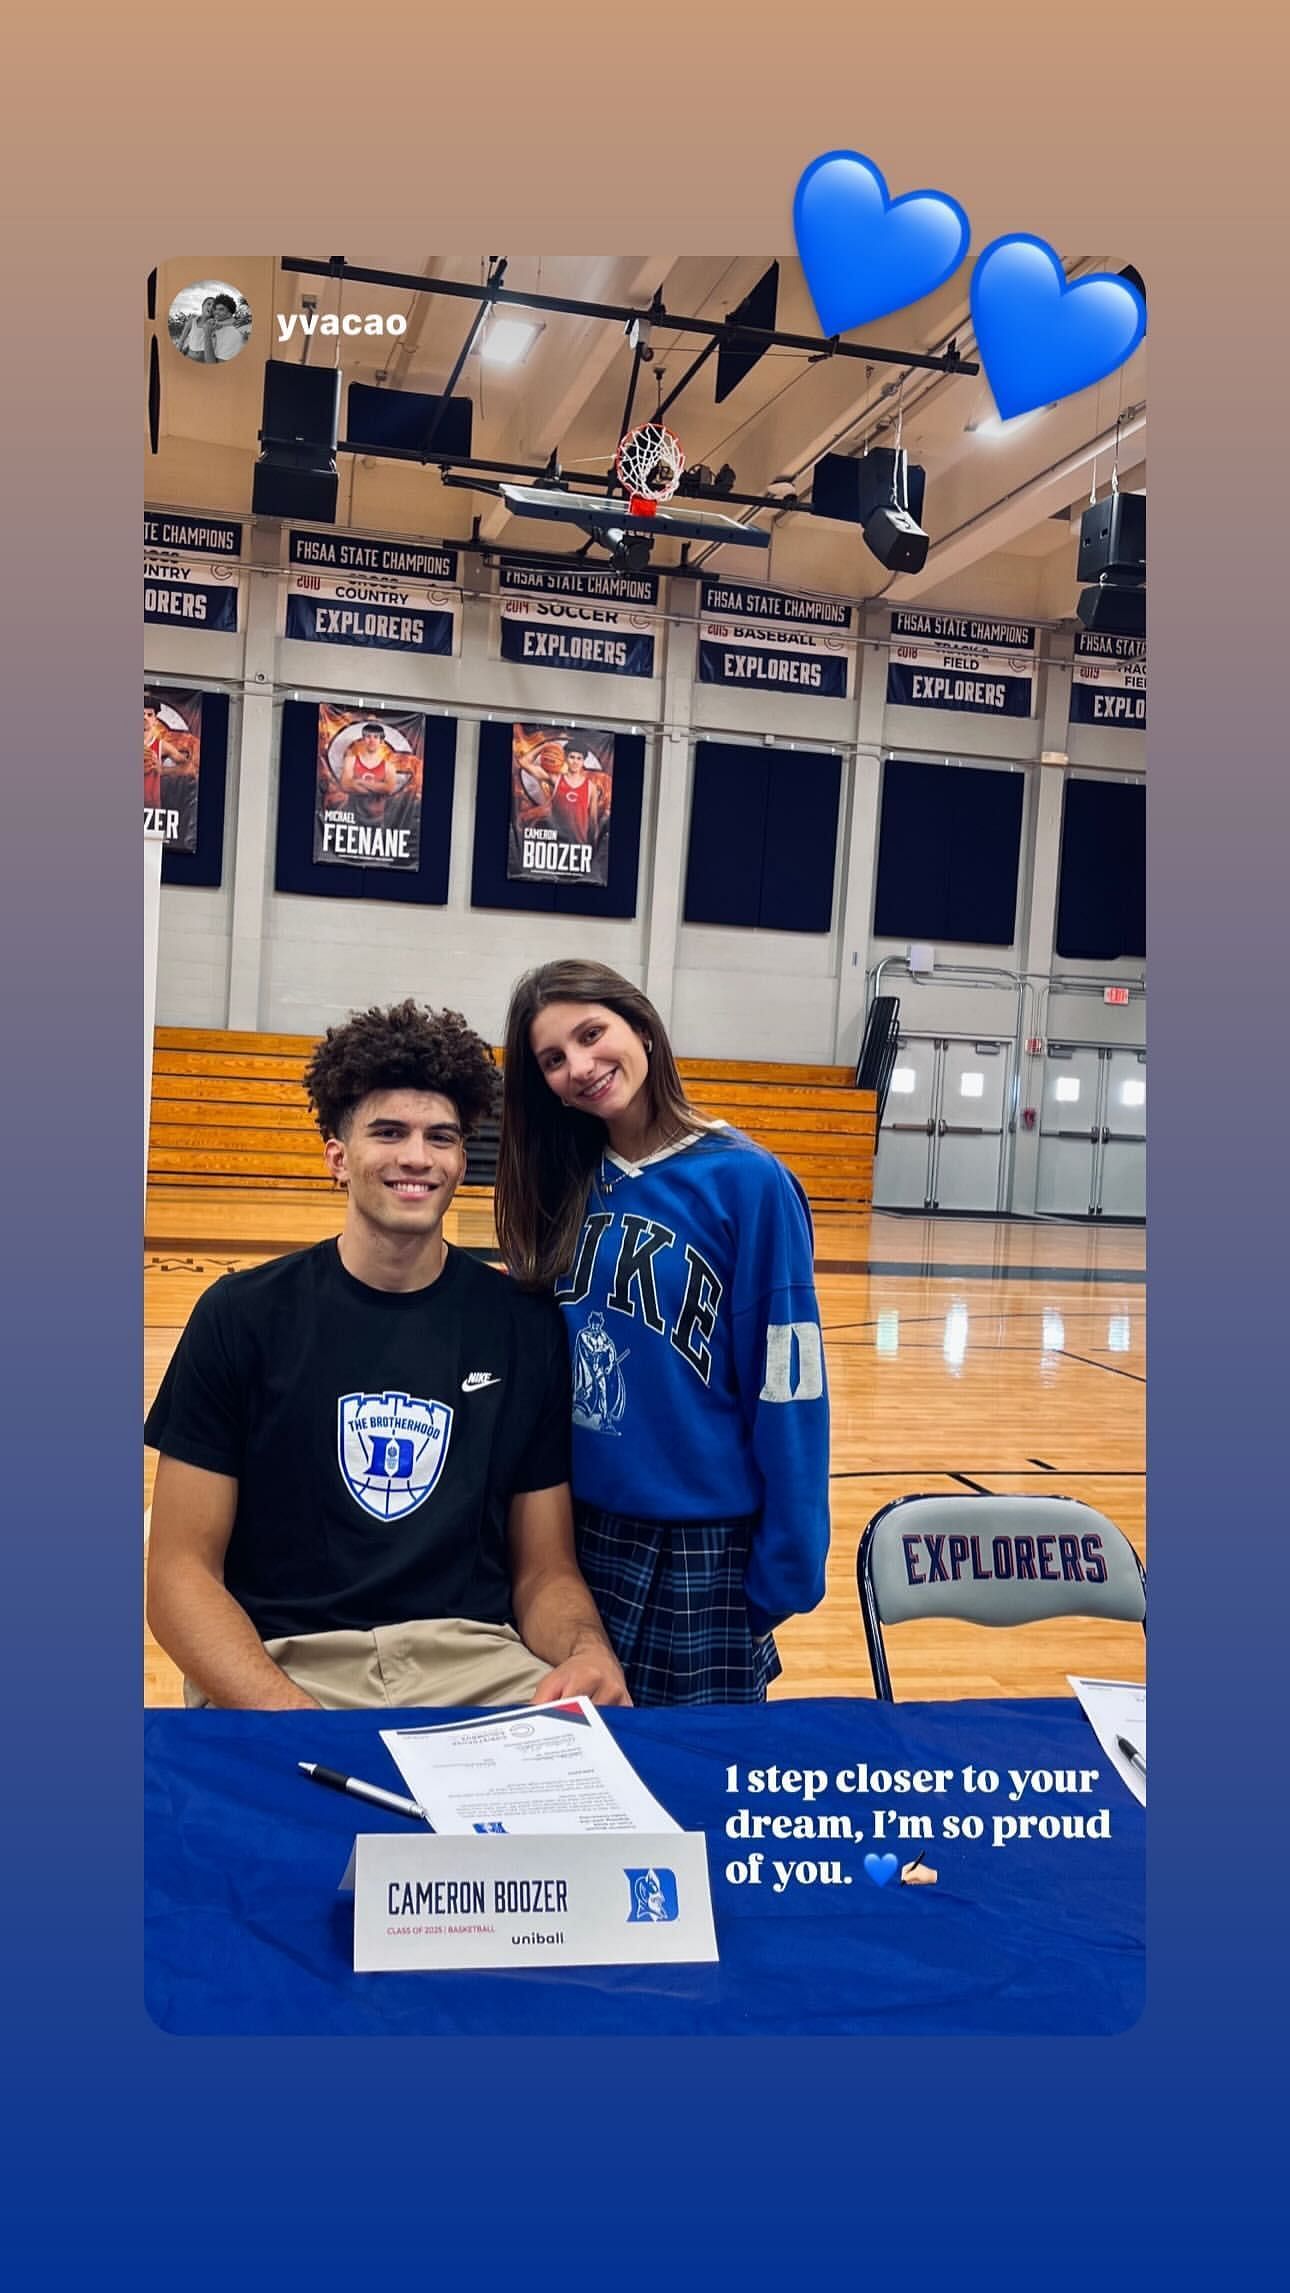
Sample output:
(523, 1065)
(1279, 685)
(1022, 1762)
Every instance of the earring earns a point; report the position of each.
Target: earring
(649, 1046)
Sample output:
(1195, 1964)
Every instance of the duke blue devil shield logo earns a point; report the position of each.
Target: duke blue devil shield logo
(392, 1449)
(653, 1895)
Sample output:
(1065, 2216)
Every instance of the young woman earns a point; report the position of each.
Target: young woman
(682, 1255)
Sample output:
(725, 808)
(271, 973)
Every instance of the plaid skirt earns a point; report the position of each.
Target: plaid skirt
(672, 1600)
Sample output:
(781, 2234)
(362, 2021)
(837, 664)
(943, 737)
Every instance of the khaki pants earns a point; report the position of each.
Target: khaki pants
(442, 1660)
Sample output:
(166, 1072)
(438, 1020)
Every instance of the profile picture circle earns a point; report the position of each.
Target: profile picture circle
(209, 322)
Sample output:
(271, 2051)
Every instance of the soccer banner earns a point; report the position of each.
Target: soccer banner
(1109, 686)
(588, 617)
(370, 764)
(561, 797)
(199, 594)
(389, 613)
(172, 760)
(947, 661)
(770, 639)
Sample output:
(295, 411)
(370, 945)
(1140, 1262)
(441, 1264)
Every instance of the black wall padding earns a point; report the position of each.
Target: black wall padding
(204, 868)
(491, 887)
(296, 869)
(763, 837)
(949, 850)
(1102, 889)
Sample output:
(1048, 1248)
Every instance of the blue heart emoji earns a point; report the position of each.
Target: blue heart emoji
(1043, 336)
(865, 254)
(880, 1868)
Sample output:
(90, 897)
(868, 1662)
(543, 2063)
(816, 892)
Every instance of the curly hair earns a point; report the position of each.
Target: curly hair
(405, 1048)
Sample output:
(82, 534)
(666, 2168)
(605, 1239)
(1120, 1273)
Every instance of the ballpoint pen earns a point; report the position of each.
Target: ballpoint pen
(356, 1790)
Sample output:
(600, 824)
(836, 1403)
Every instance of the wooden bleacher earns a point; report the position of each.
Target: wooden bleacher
(228, 1111)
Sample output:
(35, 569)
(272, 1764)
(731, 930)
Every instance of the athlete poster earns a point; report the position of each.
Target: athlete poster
(370, 764)
(172, 758)
(561, 799)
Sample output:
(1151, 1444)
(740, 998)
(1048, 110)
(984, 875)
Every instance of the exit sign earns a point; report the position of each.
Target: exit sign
(1115, 995)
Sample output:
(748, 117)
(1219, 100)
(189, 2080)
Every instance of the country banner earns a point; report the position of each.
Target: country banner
(952, 661)
(192, 593)
(380, 560)
(390, 614)
(172, 760)
(1109, 681)
(561, 801)
(589, 617)
(194, 536)
(767, 639)
(370, 766)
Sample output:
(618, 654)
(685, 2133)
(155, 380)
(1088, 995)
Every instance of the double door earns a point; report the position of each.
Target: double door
(945, 1125)
(1093, 1133)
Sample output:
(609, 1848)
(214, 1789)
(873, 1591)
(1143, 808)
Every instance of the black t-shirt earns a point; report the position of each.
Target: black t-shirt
(376, 1436)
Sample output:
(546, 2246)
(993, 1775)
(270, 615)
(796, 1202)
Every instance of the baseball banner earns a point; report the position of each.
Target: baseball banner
(561, 799)
(771, 639)
(589, 617)
(370, 765)
(172, 760)
(1109, 682)
(949, 661)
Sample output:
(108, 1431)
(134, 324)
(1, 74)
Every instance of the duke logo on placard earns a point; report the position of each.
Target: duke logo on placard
(392, 1449)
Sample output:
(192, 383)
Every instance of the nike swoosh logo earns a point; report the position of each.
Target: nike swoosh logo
(477, 1380)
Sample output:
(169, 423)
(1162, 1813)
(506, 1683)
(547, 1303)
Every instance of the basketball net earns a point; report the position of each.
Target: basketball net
(649, 464)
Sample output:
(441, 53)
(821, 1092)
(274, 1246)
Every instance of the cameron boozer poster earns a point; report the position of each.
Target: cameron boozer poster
(561, 799)
(370, 763)
(172, 758)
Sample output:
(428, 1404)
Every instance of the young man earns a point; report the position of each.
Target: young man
(362, 1495)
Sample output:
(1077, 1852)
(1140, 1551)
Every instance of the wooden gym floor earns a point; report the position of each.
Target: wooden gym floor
(962, 1354)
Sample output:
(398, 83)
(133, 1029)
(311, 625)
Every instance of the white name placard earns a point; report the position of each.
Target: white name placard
(422, 1901)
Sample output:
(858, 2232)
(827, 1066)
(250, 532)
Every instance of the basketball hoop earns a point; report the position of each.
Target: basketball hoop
(649, 464)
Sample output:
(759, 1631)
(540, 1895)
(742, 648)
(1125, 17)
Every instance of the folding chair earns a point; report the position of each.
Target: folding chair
(992, 1560)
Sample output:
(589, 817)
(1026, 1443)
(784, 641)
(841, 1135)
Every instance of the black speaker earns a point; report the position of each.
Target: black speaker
(896, 539)
(1114, 609)
(295, 476)
(851, 488)
(301, 413)
(280, 491)
(1113, 538)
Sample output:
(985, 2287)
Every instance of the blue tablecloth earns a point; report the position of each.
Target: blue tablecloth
(247, 1933)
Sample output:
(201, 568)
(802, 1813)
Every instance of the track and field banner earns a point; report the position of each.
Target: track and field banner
(951, 661)
(770, 640)
(172, 761)
(561, 801)
(370, 765)
(190, 593)
(394, 596)
(1109, 683)
(589, 617)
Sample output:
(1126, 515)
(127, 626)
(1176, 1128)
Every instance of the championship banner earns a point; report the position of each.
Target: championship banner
(198, 537)
(390, 613)
(767, 638)
(561, 797)
(1109, 686)
(584, 618)
(946, 661)
(172, 758)
(384, 560)
(198, 595)
(370, 764)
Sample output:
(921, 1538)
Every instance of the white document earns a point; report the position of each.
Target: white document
(1118, 1708)
(450, 1902)
(541, 1768)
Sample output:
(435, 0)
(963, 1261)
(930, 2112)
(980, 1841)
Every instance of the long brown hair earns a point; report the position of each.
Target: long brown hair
(548, 1151)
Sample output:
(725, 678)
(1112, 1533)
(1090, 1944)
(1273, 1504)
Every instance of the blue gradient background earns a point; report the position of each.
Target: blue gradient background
(151, 2161)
